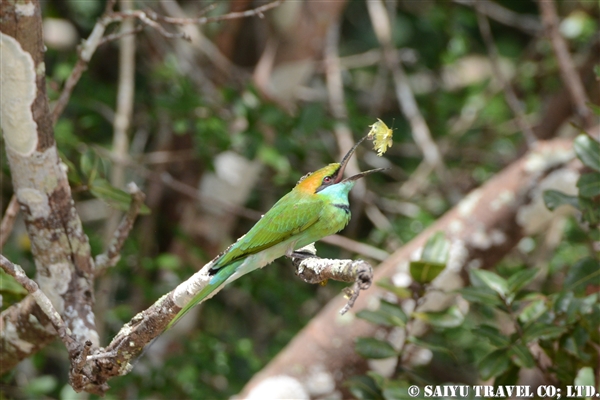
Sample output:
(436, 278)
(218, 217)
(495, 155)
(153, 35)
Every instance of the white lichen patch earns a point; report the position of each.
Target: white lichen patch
(80, 329)
(188, 289)
(12, 336)
(24, 10)
(457, 256)
(54, 282)
(535, 216)
(319, 381)
(17, 79)
(401, 279)
(504, 198)
(279, 387)
(455, 227)
(37, 202)
(547, 157)
(468, 204)
(384, 367)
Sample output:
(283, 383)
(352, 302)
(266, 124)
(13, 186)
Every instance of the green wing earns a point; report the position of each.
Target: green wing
(292, 214)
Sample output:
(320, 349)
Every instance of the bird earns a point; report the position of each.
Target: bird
(315, 208)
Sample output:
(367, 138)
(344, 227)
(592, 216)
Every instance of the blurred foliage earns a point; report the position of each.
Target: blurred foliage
(510, 325)
(247, 324)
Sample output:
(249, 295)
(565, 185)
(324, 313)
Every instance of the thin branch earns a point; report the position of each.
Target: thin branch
(568, 72)
(509, 94)
(356, 247)
(8, 220)
(255, 12)
(121, 34)
(526, 23)
(42, 300)
(89, 46)
(380, 20)
(313, 269)
(112, 254)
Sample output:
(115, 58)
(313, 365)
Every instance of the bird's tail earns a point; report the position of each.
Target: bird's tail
(215, 282)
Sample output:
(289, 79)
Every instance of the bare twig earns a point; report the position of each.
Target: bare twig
(421, 134)
(526, 23)
(42, 300)
(121, 34)
(112, 254)
(150, 18)
(568, 72)
(8, 220)
(509, 93)
(255, 12)
(313, 269)
(356, 247)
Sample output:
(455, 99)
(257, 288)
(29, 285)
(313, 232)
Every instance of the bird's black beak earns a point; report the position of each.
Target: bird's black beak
(340, 173)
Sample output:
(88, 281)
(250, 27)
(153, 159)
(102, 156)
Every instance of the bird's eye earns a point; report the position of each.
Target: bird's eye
(327, 179)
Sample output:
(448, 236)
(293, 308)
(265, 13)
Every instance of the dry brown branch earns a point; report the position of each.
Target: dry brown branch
(482, 228)
(568, 72)
(112, 254)
(509, 94)
(8, 220)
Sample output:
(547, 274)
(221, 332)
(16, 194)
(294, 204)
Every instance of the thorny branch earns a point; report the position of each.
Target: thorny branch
(313, 269)
(112, 254)
(8, 220)
(149, 18)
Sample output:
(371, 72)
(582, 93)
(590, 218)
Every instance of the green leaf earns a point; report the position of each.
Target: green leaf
(521, 279)
(388, 314)
(363, 387)
(433, 260)
(41, 385)
(533, 311)
(492, 334)
(8, 284)
(431, 346)
(494, 364)
(374, 348)
(492, 280)
(595, 109)
(588, 151)
(114, 197)
(424, 271)
(585, 377)
(480, 295)
(589, 185)
(436, 249)
(450, 318)
(554, 199)
(541, 331)
(583, 273)
(589, 210)
(522, 356)
(574, 343)
(400, 292)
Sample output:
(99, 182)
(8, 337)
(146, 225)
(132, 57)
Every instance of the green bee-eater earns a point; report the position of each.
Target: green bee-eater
(316, 207)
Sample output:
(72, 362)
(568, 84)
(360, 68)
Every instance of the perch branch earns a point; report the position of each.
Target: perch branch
(313, 269)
